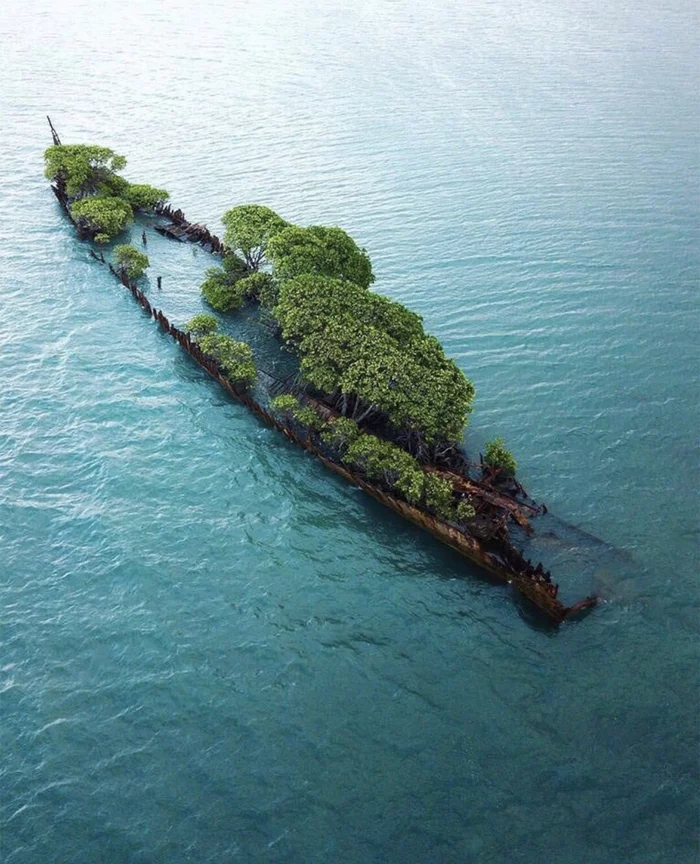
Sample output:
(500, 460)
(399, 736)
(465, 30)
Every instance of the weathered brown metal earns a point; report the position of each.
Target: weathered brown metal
(54, 133)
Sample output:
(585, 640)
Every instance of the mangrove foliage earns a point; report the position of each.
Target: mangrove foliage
(499, 459)
(100, 200)
(234, 358)
(130, 261)
(249, 228)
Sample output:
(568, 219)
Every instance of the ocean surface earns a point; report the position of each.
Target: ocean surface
(211, 650)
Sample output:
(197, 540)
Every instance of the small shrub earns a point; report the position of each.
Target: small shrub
(382, 460)
(288, 405)
(411, 483)
(439, 495)
(285, 404)
(200, 325)
(235, 358)
(131, 260)
(499, 458)
(220, 292)
(306, 415)
(465, 511)
(340, 433)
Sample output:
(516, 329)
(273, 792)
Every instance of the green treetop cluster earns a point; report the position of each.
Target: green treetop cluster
(131, 260)
(391, 466)
(249, 229)
(368, 354)
(499, 459)
(200, 325)
(221, 288)
(227, 288)
(103, 200)
(373, 356)
(235, 358)
(295, 251)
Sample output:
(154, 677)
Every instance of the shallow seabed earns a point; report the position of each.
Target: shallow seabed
(214, 651)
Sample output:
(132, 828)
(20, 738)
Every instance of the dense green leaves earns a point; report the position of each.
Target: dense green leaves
(112, 185)
(224, 288)
(285, 403)
(82, 166)
(308, 301)
(319, 250)
(220, 292)
(234, 266)
(104, 215)
(499, 458)
(200, 325)
(291, 407)
(249, 229)
(131, 260)
(464, 511)
(381, 460)
(373, 354)
(392, 466)
(261, 287)
(439, 495)
(340, 432)
(235, 358)
(141, 196)
(106, 201)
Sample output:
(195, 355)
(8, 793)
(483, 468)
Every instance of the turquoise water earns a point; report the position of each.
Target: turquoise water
(214, 651)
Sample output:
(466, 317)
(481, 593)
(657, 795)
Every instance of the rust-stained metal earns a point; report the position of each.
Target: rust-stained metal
(54, 133)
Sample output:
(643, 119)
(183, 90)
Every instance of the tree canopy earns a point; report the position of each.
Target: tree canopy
(261, 287)
(224, 289)
(374, 357)
(249, 228)
(392, 466)
(141, 196)
(131, 260)
(104, 215)
(235, 358)
(103, 199)
(307, 302)
(381, 460)
(82, 166)
(220, 292)
(200, 325)
(319, 250)
(499, 458)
